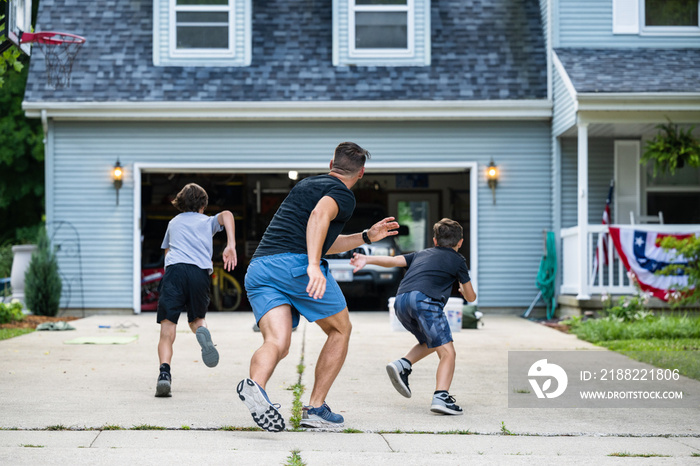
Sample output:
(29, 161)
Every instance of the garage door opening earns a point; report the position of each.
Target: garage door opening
(417, 200)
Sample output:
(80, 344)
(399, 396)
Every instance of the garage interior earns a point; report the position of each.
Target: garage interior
(417, 200)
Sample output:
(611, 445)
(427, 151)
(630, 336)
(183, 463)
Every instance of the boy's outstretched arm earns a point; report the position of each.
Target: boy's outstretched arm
(467, 291)
(225, 218)
(360, 260)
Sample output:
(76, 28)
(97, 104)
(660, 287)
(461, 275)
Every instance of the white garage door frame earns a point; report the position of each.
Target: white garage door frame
(389, 167)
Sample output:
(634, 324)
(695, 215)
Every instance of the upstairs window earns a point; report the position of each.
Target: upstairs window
(671, 13)
(381, 32)
(656, 17)
(381, 27)
(202, 27)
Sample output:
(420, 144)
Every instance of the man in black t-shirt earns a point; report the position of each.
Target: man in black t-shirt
(288, 277)
(420, 301)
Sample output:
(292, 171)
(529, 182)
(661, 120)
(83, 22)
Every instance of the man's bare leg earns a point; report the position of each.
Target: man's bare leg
(338, 328)
(276, 329)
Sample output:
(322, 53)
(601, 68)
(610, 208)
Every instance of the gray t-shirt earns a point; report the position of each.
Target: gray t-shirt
(189, 238)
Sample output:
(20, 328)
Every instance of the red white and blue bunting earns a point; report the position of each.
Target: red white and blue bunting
(640, 250)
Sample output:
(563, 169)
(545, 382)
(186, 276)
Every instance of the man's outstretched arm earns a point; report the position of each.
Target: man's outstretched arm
(378, 231)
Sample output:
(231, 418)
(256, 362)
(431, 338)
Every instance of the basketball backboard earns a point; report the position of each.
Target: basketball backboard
(18, 18)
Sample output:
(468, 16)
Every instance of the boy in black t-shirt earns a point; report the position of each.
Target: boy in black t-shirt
(419, 305)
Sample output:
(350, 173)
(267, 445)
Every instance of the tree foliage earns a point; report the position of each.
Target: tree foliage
(21, 160)
(9, 59)
(689, 248)
(42, 282)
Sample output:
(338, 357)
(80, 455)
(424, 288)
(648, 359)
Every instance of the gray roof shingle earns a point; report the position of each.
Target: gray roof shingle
(481, 50)
(632, 70)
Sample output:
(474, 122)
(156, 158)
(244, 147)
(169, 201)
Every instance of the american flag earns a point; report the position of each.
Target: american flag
(602, 247)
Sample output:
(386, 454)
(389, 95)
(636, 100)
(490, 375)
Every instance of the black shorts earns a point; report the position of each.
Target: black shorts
(185, 287)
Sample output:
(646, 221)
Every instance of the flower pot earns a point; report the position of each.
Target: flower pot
(21, 255)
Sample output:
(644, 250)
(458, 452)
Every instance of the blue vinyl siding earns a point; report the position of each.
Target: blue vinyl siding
(161, 38)
(341, 39)
(564, 111)
(509, 233)
(589, 24)
(601, 168)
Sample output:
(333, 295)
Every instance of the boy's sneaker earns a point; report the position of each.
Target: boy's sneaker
(320, 417)
(398, 375)
(210, 356)
(444, 403)
(265, 414)
(163, 385)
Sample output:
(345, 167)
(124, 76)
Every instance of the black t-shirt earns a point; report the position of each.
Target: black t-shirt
(287, 230)
(433, 271)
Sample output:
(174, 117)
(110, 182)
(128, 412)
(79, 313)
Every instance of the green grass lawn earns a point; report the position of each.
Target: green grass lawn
(668, 341)
(6, 333)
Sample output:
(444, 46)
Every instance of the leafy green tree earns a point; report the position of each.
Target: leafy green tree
(42, 282)
(21, 160)
(689, 248)
(9, 59)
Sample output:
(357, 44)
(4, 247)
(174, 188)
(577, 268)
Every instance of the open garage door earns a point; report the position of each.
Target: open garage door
(416, 199)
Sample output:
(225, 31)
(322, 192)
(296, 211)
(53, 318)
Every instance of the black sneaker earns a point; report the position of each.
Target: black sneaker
(163, 385)
(444, 403)
(398, 375)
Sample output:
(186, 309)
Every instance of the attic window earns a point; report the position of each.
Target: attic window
(381, 28)
(202, 26)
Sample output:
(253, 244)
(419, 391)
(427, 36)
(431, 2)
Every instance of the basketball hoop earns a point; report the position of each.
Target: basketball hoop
(60, 50)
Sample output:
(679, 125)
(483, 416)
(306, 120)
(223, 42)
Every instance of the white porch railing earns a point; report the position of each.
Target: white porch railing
(610, 278)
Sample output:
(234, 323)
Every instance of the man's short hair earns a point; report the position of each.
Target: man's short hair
(349, 158)
(191, 198)
(447, 232)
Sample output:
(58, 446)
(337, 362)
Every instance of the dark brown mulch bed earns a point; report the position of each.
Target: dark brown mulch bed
(32, 321)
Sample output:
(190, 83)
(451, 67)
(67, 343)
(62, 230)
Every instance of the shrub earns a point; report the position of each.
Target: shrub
(5, 260)
(11, 312)
(42, 281)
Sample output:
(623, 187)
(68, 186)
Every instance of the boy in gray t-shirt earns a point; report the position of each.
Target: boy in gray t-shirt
(419, 305)
(189, 248)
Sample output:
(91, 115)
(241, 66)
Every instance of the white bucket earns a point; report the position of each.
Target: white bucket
(453, 312)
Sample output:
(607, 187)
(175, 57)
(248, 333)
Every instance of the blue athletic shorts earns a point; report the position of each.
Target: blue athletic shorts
(272, 281)
(424, 317)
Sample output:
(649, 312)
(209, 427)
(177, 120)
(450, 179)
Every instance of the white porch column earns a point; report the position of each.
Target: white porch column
(583, 211)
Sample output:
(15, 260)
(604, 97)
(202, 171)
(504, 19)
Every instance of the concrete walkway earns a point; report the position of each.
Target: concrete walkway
(64, 404)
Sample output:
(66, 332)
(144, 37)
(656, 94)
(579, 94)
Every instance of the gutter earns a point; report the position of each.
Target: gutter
(311, 110)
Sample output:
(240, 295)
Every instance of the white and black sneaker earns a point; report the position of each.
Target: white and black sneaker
(398, 374)
(444, 403)
(163, 385)
(264, 412)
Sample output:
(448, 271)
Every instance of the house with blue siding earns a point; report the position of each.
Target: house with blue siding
(238, 95)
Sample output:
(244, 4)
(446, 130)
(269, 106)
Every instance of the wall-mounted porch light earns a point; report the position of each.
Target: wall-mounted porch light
(492, 178)
(117, 174)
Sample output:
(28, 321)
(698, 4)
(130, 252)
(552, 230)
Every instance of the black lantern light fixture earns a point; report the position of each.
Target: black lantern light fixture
(117, 174)
(492, 178)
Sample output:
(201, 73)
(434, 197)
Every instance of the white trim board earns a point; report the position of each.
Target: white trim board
(139, 168)
(313, 110)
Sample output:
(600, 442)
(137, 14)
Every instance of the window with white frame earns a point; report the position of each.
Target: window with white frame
(677, 196)
(202, 27)
(668, 17)
(381, 28)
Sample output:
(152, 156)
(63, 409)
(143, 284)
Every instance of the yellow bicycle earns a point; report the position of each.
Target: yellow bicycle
(226, 292)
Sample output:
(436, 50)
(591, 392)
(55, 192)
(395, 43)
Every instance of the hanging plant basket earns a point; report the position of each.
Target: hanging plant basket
(672, 148)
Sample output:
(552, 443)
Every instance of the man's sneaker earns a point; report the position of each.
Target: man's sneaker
(210, 356)
(444, 403)
(320, 417)
(398, 375)
(265, 414)
(163, 385)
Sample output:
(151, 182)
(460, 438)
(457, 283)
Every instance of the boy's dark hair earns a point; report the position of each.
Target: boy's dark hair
(447, 232)
(349, 158)
(191, 198)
